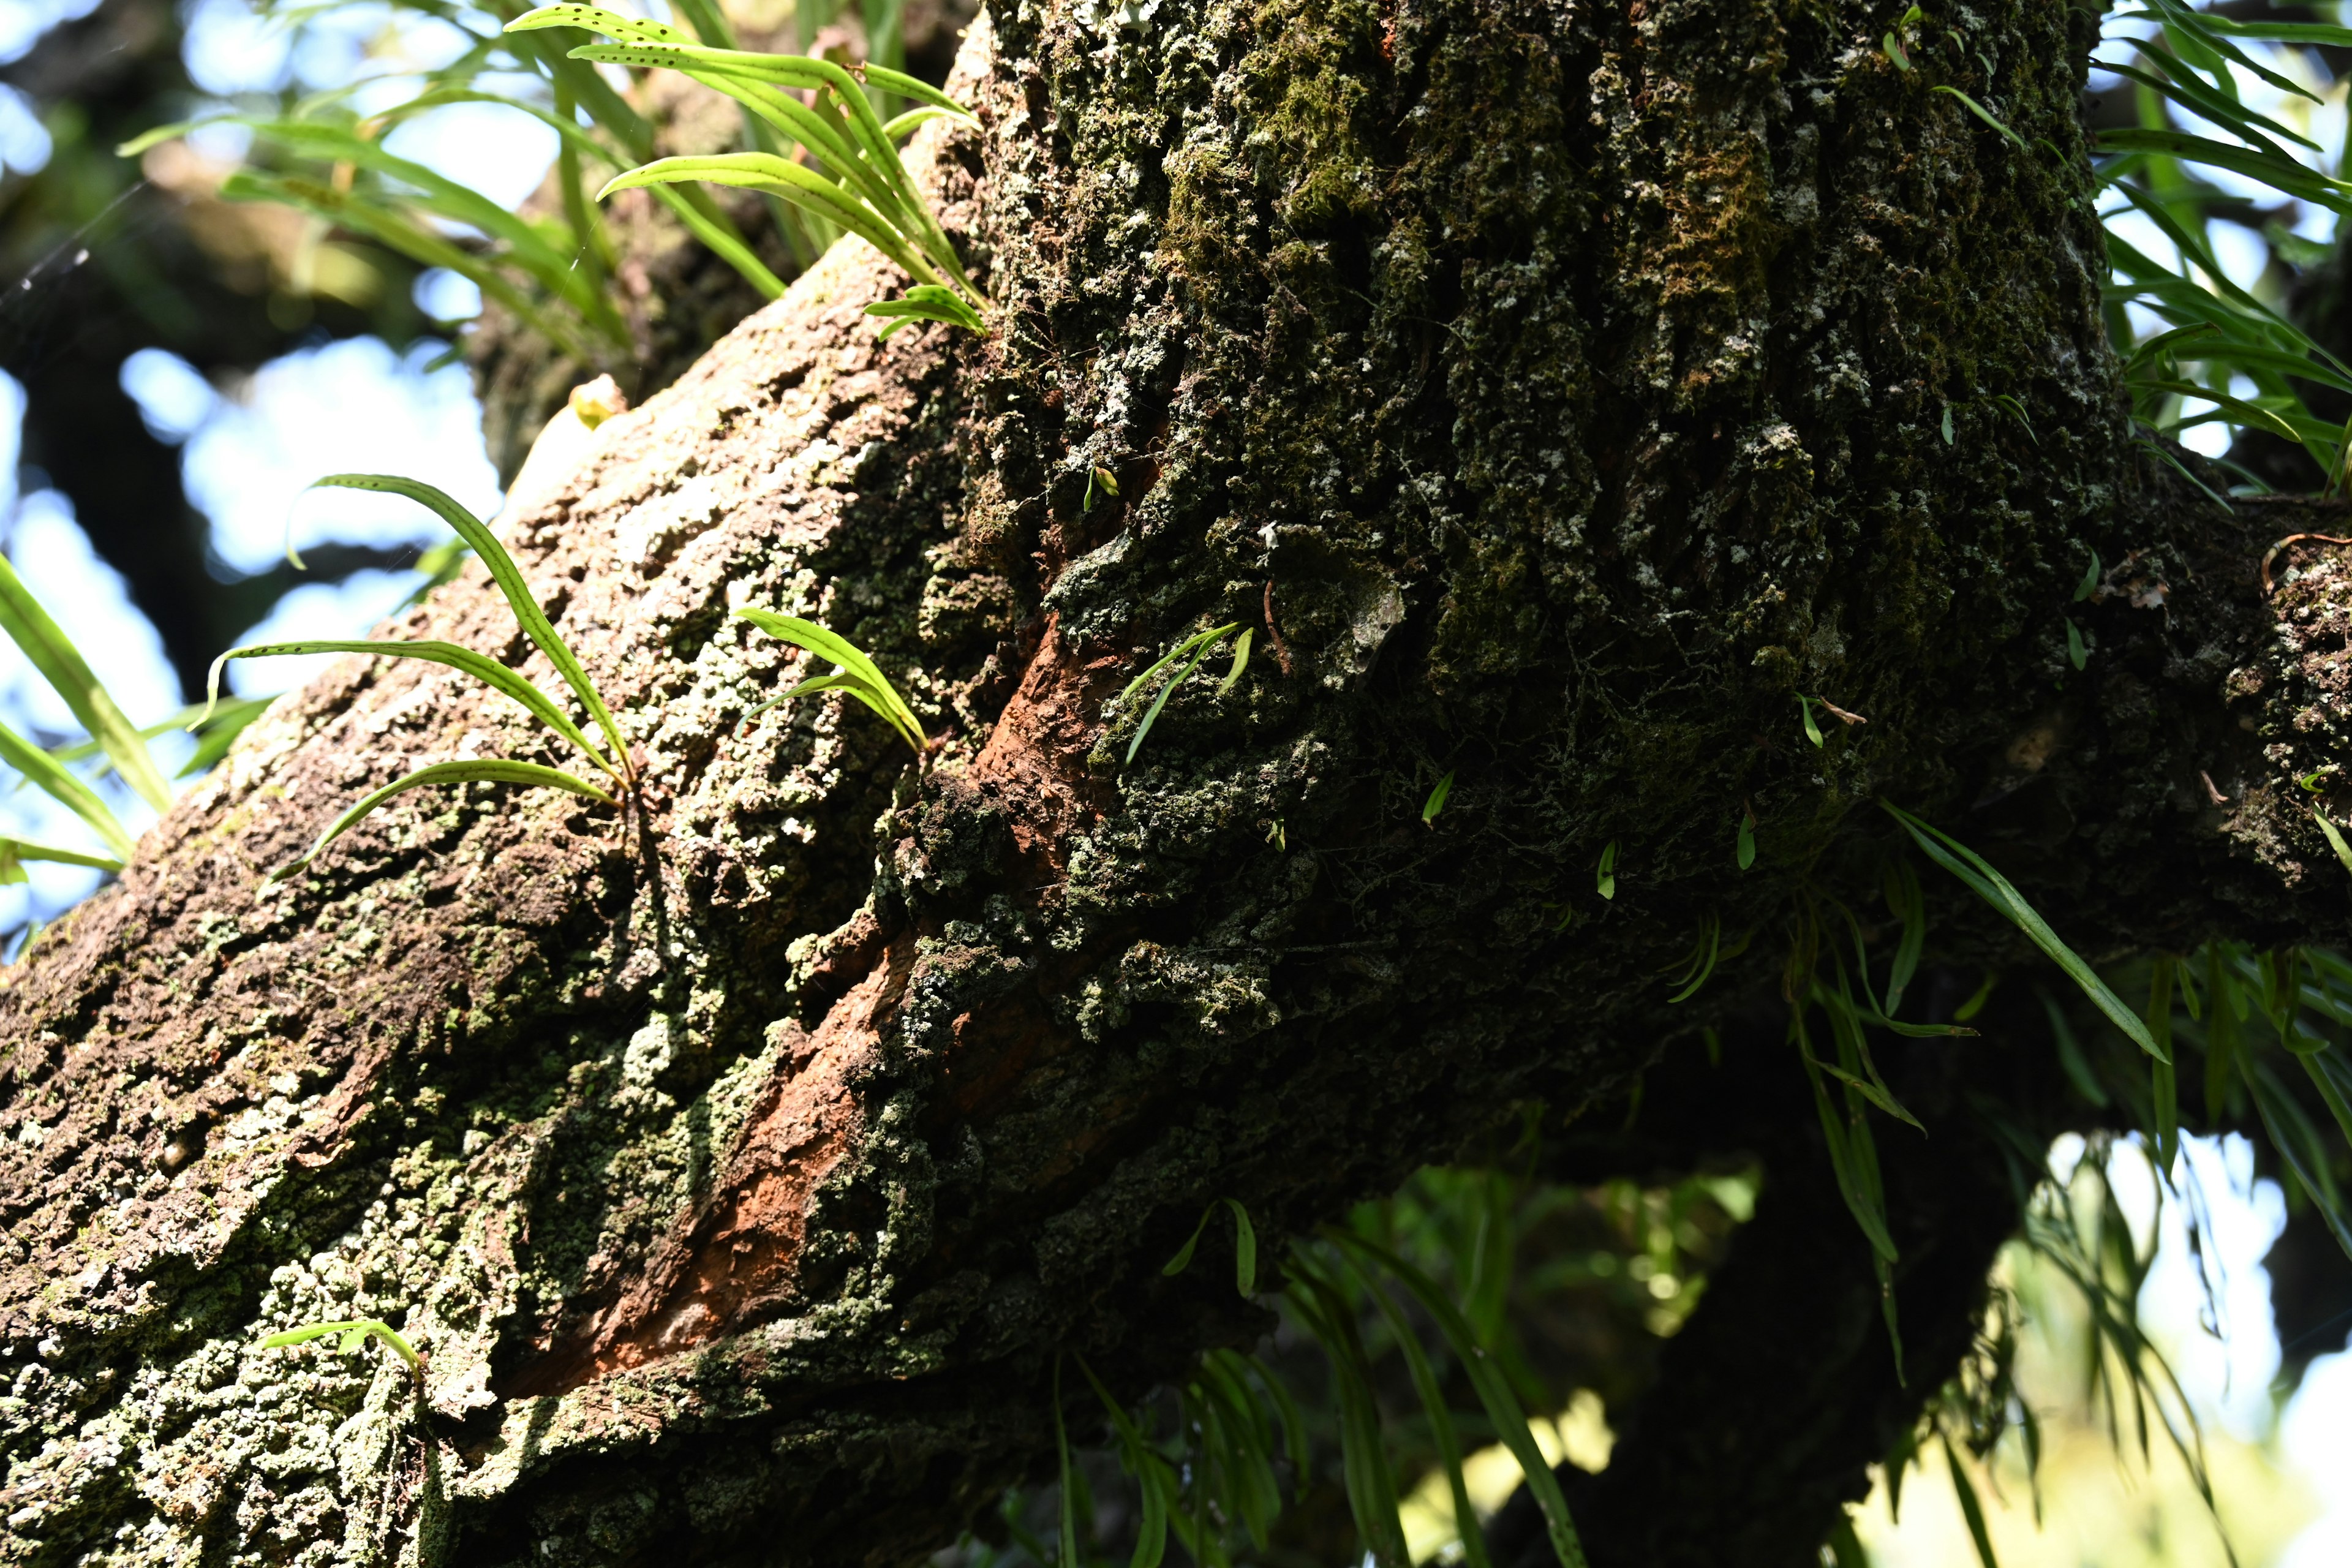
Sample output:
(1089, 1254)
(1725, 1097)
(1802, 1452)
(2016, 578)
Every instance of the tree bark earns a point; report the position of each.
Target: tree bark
(1556, 393)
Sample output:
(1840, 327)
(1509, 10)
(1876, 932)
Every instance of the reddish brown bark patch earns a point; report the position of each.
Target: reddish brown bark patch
(1035, 760)
(734, 1262)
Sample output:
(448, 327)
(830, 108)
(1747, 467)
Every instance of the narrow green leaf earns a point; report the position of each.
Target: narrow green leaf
(1982, 112)
(596, 19)
(1441, 1429)
(1436, 801)
(1244, 1249)
(398, 232)
(1743, 846)
(2164, 1087)
(351, 1329)
(919, 89)
(1607, 881)
(1241, 662)
(925, 302)
(1905, 900)
(1371, 1488)
(216, 735)
(489, 671)
(54, 780)
(1200, 645)
(2334, 839)
(777, 110)
(1294, 1422)
(2222, 1032)
(2192, 33)
(795, 183)
(2323, 35)
(2199, 100)
(1857, 1071)
(1971, 1509)
(510, 579)
(1839, 1136)
(1069, 1487)
(2278, 423)
(16, 850)
(488, 770)
(2332, 1076)
(1183, 1259)
(869, 684)
(1244, 1440)
(1887, 1315)
(841, 680)
(2298, 1144)
(2282, 175)
(1812, 730)
(1150, 1472)
(1503, 1412)
(50, 652)
(1703, 956)
(2070, 1052)
(447, 199)
(2089, 583)
(2077, 654)
(1978, 875)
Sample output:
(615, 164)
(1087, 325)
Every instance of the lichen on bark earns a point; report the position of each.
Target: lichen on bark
(1575, 386)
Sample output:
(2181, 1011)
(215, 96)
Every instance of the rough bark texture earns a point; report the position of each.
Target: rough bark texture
(1586, 382)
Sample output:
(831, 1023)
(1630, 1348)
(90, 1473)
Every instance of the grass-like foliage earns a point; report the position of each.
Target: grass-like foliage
(2205, 999)
(855, 673)
(1976, 874)
(2224, 354)
(322, 158)
(117, 746)
(857, 183)
(612, 757)
(1190, 652)
(355, 1331)
(1244, 1246)
(1501, 1407)
(1234, 1413)
(1436, 801)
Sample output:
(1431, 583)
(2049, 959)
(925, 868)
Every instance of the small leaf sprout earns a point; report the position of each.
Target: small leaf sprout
(855, 673)
(355, 1331)
(1192, 650)
(1244, 1246)
(1436, 802)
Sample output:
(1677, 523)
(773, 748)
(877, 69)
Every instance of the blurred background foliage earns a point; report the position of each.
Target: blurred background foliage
(309, 281)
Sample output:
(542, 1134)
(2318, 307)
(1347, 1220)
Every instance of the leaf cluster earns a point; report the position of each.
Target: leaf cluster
(612, 756)
(851, 177)
(118, 747)
(855, 673)
(2224, 353)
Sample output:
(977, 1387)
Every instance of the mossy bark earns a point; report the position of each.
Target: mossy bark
(1556, 393)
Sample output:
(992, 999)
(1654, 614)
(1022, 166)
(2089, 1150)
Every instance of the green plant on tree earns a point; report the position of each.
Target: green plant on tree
(612, 756)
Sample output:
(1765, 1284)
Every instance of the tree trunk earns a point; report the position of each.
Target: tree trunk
(1556, 393)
